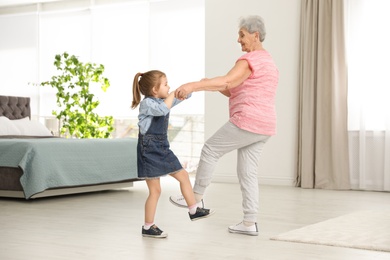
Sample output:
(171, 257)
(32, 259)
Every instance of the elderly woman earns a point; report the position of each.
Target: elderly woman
(251, 87)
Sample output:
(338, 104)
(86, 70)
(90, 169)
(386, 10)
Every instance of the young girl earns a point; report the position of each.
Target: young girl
(154, 158)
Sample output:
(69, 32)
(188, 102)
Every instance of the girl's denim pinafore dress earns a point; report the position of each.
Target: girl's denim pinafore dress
(154, 158)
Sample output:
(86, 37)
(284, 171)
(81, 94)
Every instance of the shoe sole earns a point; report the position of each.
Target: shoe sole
(180, 205)
(177, 204)
(249, 233)
(206, 216)
(146, 235)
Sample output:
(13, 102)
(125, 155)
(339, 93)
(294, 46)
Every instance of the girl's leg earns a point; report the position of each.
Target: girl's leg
(185, 186)
(151, 202)
(195, 212)
(150, 229)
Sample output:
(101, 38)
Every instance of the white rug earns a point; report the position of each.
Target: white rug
(363, 230)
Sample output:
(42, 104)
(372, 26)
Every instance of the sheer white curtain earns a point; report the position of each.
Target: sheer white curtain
(369, 94)
(60, 32)
(18, 55)
(125, 36)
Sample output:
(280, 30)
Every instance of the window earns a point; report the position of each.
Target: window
(368, 93)
(126, 37)
(368, 64)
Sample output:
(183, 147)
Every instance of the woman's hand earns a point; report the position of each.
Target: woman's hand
(183, 91)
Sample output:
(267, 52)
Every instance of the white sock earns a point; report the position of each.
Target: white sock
(148, 225)
(192, 209)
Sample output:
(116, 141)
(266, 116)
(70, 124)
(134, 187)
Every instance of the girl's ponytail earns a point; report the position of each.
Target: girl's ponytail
(136, 91)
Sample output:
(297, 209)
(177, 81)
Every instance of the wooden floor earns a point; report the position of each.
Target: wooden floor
(107, 225)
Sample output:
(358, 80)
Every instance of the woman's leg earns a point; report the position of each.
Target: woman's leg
(228, 138)
(151, 202)
(247, 171)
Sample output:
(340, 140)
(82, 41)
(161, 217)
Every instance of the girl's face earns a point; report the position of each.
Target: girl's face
(163, 91)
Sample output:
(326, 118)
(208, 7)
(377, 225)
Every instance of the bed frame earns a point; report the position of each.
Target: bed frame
(17, 108)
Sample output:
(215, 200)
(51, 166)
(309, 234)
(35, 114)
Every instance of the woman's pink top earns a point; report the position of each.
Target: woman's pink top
(252, 104)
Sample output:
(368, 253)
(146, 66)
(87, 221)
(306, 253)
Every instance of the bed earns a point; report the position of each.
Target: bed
(35, 164)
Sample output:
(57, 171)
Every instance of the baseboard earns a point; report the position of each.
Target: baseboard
(264, 180)
(281, 181)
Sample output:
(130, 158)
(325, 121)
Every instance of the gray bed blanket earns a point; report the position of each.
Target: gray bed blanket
(59, 162)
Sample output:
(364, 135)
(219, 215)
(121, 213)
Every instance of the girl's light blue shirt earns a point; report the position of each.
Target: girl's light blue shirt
(150, 107)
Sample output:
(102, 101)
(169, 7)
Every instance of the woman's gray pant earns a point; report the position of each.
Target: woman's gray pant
(249, 147)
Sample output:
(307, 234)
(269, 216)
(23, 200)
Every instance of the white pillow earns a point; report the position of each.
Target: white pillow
(7, 127)
(30, 127)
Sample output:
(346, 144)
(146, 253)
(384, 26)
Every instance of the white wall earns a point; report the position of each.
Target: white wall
(282, 18)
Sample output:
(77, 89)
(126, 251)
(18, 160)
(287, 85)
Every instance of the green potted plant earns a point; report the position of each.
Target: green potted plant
(76, 103)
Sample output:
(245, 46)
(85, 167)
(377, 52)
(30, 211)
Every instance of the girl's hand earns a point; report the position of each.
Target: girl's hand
(183, 91)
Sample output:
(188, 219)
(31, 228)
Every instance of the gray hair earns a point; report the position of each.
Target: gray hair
(253, 23)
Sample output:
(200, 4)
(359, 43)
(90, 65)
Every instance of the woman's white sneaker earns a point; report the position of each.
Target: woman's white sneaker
(179, 201)
(240, 228)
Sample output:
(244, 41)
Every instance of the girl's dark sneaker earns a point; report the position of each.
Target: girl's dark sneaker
(201, 213)
(153, 231)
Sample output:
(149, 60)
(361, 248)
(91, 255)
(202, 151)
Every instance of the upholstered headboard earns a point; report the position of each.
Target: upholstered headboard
(15, 107)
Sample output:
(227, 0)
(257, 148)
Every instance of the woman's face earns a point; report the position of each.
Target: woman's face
(163, 91)
(247, 40)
